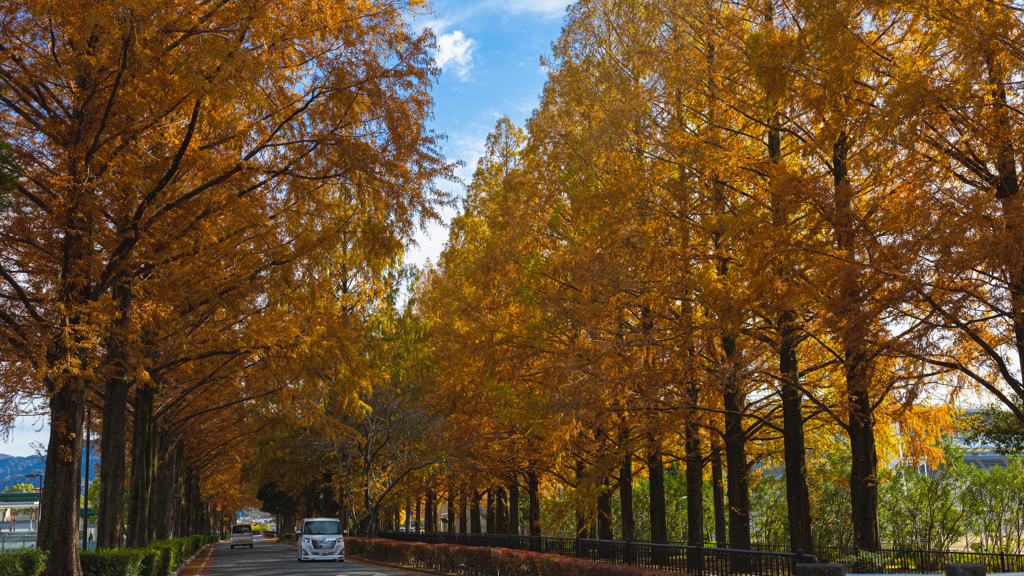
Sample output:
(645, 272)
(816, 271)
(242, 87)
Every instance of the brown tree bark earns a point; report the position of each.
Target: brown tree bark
(718, 495)
(626, 497)
(860, 428)
(694, 474)
(114, 437)
(513, 505)
(474, 512)
(656, 479)
(58, 502)
(533, 488)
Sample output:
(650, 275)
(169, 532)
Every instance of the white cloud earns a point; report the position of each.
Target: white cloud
(455, 53)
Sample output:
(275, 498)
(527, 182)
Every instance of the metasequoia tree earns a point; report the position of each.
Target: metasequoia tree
(150, 137)
(699, 245)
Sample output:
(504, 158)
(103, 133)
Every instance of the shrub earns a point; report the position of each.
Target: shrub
(167, 556)
(177, 551)
(290, 537)
(125, 562)
(26, 562)
(864, 563)
(196, 542)
(481, 561)
(150, 563)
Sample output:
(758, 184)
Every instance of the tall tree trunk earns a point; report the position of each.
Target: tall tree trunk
(428, 512)
(513, 505)
(463, 510)
(864, 463)
(500, 511)
(626, 496)
(114, 436)
(718, 495)
(142, 468)
(694, 473)
(474, 512)
(581, 508)
(736, 466)
(58, 510)
(159, 517)
(798, 500)
(656, 479)
(488, 524)
(450, 527)
(604, 512)
(419, 519)
(533, 489)
(1007, 190)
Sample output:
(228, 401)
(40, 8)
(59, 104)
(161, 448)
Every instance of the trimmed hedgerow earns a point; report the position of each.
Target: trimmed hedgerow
(168, 556)
(482, 561)
(25, 562)
(151, 563)
(126, 562)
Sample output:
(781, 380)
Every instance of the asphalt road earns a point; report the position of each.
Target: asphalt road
(270, 559)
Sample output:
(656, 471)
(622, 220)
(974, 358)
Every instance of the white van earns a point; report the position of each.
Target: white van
(241, 535)
(321, 539)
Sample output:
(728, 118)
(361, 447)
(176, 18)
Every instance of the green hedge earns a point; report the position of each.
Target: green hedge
(126, 562)
(151, 563)
(168, 556)
(26, 562)
(480, 561)
(161, 557)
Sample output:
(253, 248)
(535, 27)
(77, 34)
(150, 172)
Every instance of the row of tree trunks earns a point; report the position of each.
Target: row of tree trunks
(114, 437)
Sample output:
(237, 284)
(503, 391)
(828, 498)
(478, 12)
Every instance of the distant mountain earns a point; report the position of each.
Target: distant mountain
(14, 468)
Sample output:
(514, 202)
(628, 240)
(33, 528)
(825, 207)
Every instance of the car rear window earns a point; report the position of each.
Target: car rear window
(240, 529)
(322, 527)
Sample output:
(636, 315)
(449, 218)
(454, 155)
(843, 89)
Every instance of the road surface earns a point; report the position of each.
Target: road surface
(266, 558)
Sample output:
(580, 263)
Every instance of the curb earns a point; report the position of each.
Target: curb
(396, 567)
(190, 559)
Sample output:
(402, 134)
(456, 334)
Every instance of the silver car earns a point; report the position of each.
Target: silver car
(321, 539)
(241, 535)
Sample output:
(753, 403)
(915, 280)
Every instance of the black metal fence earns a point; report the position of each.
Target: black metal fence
(694, 560)
(894, 561)
(761, 560)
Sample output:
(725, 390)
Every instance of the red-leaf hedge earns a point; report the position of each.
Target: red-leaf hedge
(482, 561)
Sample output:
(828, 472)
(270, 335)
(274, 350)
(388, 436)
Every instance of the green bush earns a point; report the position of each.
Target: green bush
(864, 563)
(167, 558)
(150, 563)
(127, 562)
(26, 562)
(291, 537)
(196, 542)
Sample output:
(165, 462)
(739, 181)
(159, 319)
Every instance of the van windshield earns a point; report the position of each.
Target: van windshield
(322, 527)
(240, 529)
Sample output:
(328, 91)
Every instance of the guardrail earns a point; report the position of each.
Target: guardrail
(695, 560)
(15, 541)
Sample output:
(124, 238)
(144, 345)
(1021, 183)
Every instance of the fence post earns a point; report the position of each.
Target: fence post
(1002, 559)
(700, 557)
(628, 556)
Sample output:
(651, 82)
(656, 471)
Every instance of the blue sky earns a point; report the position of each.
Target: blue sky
(489, 53)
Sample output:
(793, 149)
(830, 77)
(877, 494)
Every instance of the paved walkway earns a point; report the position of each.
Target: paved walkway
(266, 558)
